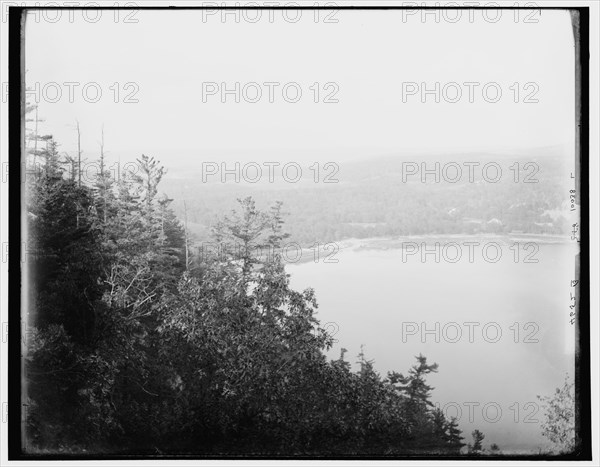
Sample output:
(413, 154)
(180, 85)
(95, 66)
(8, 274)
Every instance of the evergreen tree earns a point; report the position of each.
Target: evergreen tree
(133, 351)
(454, 436)
(476, 448)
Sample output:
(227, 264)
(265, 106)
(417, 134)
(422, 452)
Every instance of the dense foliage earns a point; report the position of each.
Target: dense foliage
(136, 345)
(559, 417)
(133, 349)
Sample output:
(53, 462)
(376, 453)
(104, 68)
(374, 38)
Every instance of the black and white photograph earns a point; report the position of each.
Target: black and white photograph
(300, 232)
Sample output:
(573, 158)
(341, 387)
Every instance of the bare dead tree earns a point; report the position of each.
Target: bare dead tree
(187, 249)
(78, 153)
(102, 176)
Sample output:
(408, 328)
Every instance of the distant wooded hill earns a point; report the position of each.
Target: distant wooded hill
(383, 197)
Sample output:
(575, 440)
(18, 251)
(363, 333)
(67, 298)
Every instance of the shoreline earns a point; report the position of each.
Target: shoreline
(396, 243)
(328, 252)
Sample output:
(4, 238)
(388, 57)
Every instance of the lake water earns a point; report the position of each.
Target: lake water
(491, 370)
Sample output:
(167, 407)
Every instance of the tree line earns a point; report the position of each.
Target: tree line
(372, 200)
(137, 345)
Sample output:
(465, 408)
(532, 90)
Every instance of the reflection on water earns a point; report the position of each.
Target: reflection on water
(500, 332)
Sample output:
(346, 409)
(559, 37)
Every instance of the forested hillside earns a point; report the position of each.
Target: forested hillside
(135, 345)
(376, 198)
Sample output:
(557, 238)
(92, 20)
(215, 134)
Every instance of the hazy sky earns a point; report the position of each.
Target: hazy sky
(168, 57)
(367, 54)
